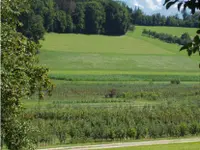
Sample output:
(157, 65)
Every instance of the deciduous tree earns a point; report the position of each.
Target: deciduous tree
(21, 76)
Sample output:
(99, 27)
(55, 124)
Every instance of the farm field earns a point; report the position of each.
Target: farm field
(116, 88)
(137, 94)
(95, 57)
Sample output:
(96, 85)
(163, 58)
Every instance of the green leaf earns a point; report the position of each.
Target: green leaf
(166, 1)
(189, 52)
(179, 6)
(195, 49)
(184, 47)
(196, 39)
(198, 31)
(170, 4)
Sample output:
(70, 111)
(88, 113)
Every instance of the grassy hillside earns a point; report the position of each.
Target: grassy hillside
(78, 54)
(116, 78)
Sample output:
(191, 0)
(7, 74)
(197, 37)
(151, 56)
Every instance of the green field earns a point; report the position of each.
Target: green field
(128, 93)
(104, 84)
(187, 146)
(91, 65)
(69, 55)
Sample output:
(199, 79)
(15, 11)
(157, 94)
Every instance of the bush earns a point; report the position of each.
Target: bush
(183, 129)
(132, 132)
(184, 39)
(132, 28)
(111, 93)
(173, 130)
(194, 128)
(175, 81)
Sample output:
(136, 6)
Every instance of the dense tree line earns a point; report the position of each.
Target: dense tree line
(184, 39)
(69, 125)
(139, 18)
(69, 16)
(90, 17)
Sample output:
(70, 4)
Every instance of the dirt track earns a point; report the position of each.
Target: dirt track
(126, 144)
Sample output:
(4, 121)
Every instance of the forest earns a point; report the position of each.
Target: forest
(106, 17)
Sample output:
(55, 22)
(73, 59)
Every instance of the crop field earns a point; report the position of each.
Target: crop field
(111, 88)
(126, 93)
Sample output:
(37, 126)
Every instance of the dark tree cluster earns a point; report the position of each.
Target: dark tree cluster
(184, 39)
(139, 18)
(70, 16)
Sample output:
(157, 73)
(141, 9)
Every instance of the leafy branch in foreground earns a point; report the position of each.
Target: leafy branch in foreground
(194, 5)
(21, 76)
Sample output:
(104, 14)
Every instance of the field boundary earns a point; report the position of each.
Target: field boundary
(127, 144)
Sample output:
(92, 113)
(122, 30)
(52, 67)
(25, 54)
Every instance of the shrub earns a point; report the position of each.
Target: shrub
(172, 130)
(175, 81)
(60, 130)
(184, 39)
(194, 128)
(111, 93)
(132, 28)
(132, 132)
(183, 129)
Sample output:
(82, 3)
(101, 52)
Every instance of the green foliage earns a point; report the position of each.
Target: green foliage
(132, 132)
(117, 19)
(79, 18)
(66, 5)
(175, 81)
(194, 46)
(183, 129)
(60, 130)
(21, 76)
(32, 26)
(60, 22)
(119, 122)
(17, 135)
(68, 16)
(69, 26)
(184, 39)
(94, 18)
(80, 111)
(48, 14)
(139, 18)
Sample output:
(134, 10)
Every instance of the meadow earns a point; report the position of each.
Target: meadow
(110, 88)
(96, 57)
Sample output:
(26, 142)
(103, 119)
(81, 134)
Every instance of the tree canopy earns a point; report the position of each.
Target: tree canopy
(70, 16)
(21, 76)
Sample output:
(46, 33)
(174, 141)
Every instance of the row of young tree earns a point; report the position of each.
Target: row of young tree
(138, 17)
(82, 16)
(69, 125)
(184, 39)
